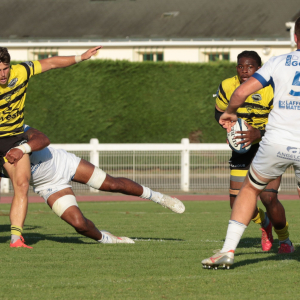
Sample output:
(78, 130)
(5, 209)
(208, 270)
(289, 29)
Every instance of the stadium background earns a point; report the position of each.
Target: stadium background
(153, 81)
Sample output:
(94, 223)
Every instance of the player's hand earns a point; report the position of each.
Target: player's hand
(88, 54)
(228, 120)
(249, 136)
(14, 155)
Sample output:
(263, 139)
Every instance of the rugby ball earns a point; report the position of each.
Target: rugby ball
(240, 125)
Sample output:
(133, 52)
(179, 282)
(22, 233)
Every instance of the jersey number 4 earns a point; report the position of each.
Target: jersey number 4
(296, 82)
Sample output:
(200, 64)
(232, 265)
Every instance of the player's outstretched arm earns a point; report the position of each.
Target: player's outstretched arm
(36, 141)
(56, 62)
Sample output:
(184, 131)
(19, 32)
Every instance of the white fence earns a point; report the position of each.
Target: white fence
(170, 167)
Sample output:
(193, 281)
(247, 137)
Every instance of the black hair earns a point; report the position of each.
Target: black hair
(4, 56)
(297, 28)
(250, 54)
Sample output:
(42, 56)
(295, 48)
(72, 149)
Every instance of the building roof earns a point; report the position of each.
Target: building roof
(146, 19)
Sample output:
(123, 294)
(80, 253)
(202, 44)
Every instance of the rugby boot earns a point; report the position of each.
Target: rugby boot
(169, 202)
(286, 248)
(109, 238)
(266, 237)
(20, 244)
(224, 260)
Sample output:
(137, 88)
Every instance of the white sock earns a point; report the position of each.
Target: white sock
(106, 239)
(234, 233)
(14, 238)
(151, 195)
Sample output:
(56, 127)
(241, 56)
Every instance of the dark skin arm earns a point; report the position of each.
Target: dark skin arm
(250, 136)
(36, 140)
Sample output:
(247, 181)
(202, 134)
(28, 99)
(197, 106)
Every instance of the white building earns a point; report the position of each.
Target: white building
(143, 30)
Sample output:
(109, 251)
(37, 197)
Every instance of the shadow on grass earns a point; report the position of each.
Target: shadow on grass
(155, 239)
(33, 238)
(271, 255)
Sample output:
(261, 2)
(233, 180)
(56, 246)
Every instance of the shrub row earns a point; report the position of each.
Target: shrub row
(124, 102)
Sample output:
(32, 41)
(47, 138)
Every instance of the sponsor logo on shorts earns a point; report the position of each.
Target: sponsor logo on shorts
(292, 149)
(238, 166)
(12, 83)
(289, 104)
(256, 97)
(292, 153)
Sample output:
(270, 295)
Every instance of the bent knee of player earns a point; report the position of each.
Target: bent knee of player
(268, 197)
(97, 178)
(114, 184)
(80, 224)
(21, 185)
(255, 181)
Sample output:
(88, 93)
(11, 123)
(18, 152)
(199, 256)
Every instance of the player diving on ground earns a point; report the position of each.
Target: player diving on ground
(51, 173)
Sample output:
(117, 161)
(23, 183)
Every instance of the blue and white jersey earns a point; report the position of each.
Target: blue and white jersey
(283, 73)
(51, 168)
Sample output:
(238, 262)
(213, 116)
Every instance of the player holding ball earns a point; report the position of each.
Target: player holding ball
(255, 113)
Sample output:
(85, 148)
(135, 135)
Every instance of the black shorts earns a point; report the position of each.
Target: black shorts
(243, 161)
(6, 143)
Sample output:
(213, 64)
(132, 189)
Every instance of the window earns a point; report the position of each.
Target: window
(148, 57)
(43, 55)
(218, 56)
(153, 57)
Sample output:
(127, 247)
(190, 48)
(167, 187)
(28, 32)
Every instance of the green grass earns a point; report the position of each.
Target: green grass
(164, 263)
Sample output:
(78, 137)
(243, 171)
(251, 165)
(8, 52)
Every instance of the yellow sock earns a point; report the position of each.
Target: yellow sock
(16, 230)
(260, 216)
(283, 233)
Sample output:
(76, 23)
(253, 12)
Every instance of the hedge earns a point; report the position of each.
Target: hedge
(125, 102)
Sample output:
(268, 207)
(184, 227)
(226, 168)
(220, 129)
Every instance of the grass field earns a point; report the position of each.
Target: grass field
(164, 263)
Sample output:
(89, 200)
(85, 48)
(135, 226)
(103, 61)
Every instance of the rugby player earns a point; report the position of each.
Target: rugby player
(13, 86)
(53, 169)
(255, 112)
(278, 149)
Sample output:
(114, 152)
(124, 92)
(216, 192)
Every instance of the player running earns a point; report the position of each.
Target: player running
(53, 169)
(279, 148)
(255, 113)
(14, 81)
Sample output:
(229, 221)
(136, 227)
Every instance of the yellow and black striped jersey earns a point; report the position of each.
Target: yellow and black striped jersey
(12, 97)
(256, 108)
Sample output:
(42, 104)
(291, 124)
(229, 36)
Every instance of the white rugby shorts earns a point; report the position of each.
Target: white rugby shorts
(271, 160)
(65, 168)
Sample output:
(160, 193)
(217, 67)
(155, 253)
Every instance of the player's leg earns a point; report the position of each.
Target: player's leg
(266, 166)
(20, 176)
(64, 204)
(239, 165)
(242, 212)
(88, 174)
(276, 214)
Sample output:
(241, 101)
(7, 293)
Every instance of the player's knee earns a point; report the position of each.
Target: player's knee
(97, 178)
(268, 197)
(63, 203)
(21, 185)
(80, 224)
(255, 181)
(115, 185)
